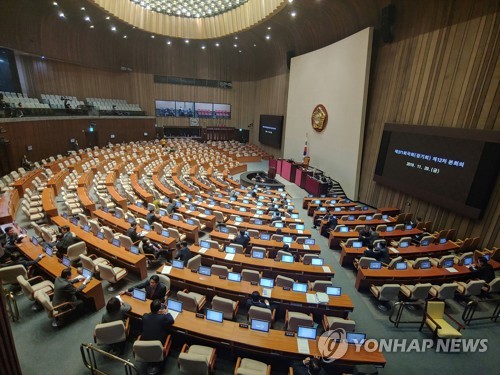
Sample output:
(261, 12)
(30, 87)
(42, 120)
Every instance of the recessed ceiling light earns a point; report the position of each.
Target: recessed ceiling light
(107, 17)
(113, 28)
(91, 26)
(87, 18)
(61, 14)
(124, 37)
(290, 1)
(55, 3)
(268, 37)
(43, 57)
(255, 45)
(235, 45)
(217, 44)
(169, 42)
(269, 27)
(82, 8)
(236, 38)
(186, 41)
(203, 47)
(152, 36)
(240, 51)
(293, 14)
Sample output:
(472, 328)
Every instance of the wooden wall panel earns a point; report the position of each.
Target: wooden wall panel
(51, 136)
(442, 70)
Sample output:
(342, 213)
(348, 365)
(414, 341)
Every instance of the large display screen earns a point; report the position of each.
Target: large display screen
(271, 130)
(452, 168)
(173, 108)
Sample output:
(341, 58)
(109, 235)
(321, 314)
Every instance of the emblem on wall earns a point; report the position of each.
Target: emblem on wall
(319, 118)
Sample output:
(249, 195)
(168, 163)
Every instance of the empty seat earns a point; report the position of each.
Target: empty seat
(196, 359)
(191, 301)
(227, 306)
(385, 294)
(295, 319)
(248, 366)
(333, 322)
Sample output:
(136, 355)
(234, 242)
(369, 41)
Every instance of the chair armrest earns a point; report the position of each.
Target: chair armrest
(127, 326)
(33, 280)
(238, 364)
(202, 303)
(286, 317)
(274, 315)
(460, 326)
(373, 290)
(403, 286)
(433, 321)
(92, 256)
(211, 361)
(236, 308)
(63, 308)
(150, 256)
(290, 371)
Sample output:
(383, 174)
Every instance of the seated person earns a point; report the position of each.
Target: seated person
(483, 271)
(153, 287)
(156, 249)
(368, 235)
(380, 253)
(242, 239)
(132, 233)
(64, 240)
(255, 300)
(116, 310)
(155, 324)
(309, 366)
(11, 250)
(329, 226)
(26, 164)
(64, 291)
(171, 208)
(183, 252)
(319, 218)
(26, 263)
(151, 217)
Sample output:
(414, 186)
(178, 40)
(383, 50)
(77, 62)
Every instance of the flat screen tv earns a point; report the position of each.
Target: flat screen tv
(449, 167)
(271, 130)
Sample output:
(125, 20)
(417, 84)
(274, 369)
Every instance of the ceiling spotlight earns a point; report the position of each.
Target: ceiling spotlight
(290, 1)
(87, 18)
(235, 45)
(255, 45)
(269, 27)
(240, 51)
(169, 42)
(43, 57)
(82, 8)
(152, 36)
(91, 26)
(236, 38)
(186, 41)
(107, 17)
(61, 14)
(217, 44)
(113, 28)
(55, 3)
(268, 37)
(124, 37)
(203, 47)
(293, 14)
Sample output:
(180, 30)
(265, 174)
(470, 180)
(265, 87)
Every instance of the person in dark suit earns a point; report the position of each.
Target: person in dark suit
(368, 235)
(484, 270)
(65, 240)
(132, 233)
(25, 263)
(155, 324)
(116, 310)
(151, 217)
(64, 291)
(242, 239)
(309, 366)
(380, 253)
(153, 287)
(329, 226)
(183, 252)
(11, 244)
(255, 300)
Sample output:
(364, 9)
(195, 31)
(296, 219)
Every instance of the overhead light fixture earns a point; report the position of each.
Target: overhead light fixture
(268, 37)
(189, 8)
(113, 28)
(55, 3)
(125, 37)
(107, 17)
(203, 47)
(82, 8)
(186, 41)
(217, 44)
(61, 15)
(87, 18)
(293, 14)
(269, 27)
(91, 26)
(169, 42)
(152, 36)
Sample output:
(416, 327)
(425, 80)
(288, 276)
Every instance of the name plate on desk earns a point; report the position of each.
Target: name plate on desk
(202, 250)
(254, 283)
(194, 271)
(326, 269)
(231, 236)
(289, 334)
(243, 325)
(300, 231)
(286, 288)
(229, 257)
(166, 270)
(200, 315)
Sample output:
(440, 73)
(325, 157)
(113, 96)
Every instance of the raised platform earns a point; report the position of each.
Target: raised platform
(260, 179)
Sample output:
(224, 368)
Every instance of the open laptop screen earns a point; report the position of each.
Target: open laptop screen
(401, 266)
(356, 338)
(265, 236)
(258, 254)
(202, 270)
(317, 261)
(233, 276)
(287, 258)
(260, 325)
(134, 250)
(86, 273)
(266, 283)
(174, 305)
(66, 262)
(333, 291)
(287, 239)
(299, 287)
(309, 241)
(375, 265)
(306, 333)
(176, 263)
(215, 316)
(139, 294)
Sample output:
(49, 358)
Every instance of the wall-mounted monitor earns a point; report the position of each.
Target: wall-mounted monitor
(449, 167)
(271, 130)
(222, 111)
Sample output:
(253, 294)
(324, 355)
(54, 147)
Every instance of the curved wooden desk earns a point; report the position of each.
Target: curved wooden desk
(26, 181)
(269, 228)
(268, 267)
(213, 285)
(272, 343)
(335, 237)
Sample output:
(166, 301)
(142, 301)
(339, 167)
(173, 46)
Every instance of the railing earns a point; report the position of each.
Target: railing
(89, 351)
(398, 308)
(471, 309)
(11, 304)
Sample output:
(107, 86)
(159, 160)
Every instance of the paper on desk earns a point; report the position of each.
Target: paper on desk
(322, 297)
(303, 346)
(257, 216)
(166, 270)
(202, 215)
(306, 247)
(231, 236)
(211, 205)
(174, 314)
(298, 219)
(202, 250)
(451, 269)
(326, 269)
(300, 231)
(229, 257)
(311, 298)
(266, 292)
(188, 211)
(394, 250)
(387, 220)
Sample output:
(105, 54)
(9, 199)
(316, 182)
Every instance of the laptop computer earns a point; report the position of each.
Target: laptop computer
(162, 212)
(351, 218)
(49, 251)
(205, 244)
(309, 241)
(333, 291)
(116, 242)
(260, 325)
(86, 273)
(258, 222)
(403, 244)
(299, 287)
(266, 283)
(202, 270)
(100, 235)
(355, 338)
(295, 216)
(66, 262)
(287, 258)
(344, 230)
(239, 219)
(287, 239)
(426, 264)
(176, 263)
(279, 225)
(139, 294)
(317, 261)
(233, 276)
(401, 266)
(357, 244)
(375, 265)
(224, 230)
(230, 250)
(165, 233)
(300, 227)
(409, 227)
(265, 236)
(468, 261)
(174, 305)
(257, 254)
(215, 316)
(134, 250)
(448, 263)
(34, 241)
(190, 221)
(442, 241)
(306, 333)
(389, 229)
(86, 228)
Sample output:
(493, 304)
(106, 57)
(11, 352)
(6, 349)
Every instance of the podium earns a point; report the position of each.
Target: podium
(300, 176)
(288, 169)
(315, 187)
